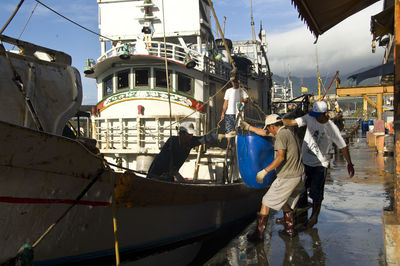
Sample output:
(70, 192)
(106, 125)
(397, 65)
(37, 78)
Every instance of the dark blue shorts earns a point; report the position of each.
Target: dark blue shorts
(230, 123)
(315, 181)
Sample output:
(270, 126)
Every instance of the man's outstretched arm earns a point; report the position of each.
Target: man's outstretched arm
(289, 122)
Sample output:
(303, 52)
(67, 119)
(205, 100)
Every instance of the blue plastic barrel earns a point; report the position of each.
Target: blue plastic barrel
(364, 127)
(254, 153)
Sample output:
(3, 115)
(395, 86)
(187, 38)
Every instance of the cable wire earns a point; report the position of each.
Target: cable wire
(64, 17)
(26, 23)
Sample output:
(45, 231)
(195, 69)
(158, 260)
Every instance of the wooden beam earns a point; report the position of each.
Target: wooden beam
(365, 108)
(371, 102)
(367, 90)
(379, 106)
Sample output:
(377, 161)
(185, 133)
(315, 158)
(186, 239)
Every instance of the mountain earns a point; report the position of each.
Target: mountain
(312, 82)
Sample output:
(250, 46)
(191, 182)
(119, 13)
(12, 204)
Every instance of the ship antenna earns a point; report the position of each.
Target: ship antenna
(223, 29)
(252, 21)
(166, 73)
(254, 34)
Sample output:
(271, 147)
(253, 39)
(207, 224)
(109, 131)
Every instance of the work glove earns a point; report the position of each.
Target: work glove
(244, 125)
(350, 169)
(220, 137)
(260, 176)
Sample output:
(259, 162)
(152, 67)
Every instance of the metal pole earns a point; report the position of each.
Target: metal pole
(397, 103)
(114, 214)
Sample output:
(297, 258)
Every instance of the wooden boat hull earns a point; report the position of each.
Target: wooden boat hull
(41, 175)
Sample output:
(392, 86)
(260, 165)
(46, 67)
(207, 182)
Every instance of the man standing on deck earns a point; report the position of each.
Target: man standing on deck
(289, 183)
(320, 134)
(235, 99)
(175, 151)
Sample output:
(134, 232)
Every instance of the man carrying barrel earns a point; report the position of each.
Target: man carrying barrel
(287, 187)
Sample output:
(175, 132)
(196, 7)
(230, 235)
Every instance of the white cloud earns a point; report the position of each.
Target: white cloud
(345, 47)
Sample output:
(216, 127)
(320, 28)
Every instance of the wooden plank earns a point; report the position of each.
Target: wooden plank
(361, 91)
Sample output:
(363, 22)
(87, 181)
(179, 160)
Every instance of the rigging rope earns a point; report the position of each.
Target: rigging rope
(234, 70)
(12, 16)
(334, 77)
(26, 23)
(206, 102)
(17, 80)
(84, 191)
(166, 73)
(50, 228)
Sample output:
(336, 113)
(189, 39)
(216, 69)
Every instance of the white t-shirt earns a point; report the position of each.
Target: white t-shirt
(233, 97)
(318, 140)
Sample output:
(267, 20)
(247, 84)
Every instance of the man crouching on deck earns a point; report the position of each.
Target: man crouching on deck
(175, 151)
(286, 188)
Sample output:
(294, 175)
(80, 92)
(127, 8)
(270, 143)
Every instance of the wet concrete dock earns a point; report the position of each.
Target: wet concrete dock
(349, 230)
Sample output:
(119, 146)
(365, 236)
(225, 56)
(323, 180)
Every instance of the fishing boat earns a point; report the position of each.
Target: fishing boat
(66, 200)
(166, 68)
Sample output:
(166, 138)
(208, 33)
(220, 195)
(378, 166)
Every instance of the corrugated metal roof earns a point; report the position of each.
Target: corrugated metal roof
(321, 15)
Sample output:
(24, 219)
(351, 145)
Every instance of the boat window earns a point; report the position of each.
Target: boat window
(108, 85)
(161, 80)
(123, 80)
(185, 83)
(141, 77)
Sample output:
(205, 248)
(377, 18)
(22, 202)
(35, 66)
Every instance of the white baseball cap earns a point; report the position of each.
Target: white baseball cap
(318, 108)
(271, 119)
(186, 127)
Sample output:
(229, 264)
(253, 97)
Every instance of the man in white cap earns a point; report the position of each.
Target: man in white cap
(289, 183)
(175, 151)
(320, 134)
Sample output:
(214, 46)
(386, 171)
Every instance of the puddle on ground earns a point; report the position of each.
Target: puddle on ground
(349, 229)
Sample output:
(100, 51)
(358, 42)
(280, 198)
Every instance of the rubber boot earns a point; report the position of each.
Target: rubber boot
(258, 233)
(316, 208)
(303, 200)
(302, 203)
(289, 225)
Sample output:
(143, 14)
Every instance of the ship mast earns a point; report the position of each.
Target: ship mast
(318, 76)
(254, 36)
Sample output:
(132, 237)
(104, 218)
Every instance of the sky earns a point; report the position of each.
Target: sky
(345, 47)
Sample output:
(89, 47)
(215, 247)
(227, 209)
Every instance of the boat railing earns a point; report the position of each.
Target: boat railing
(174, 52)
(136, 134)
